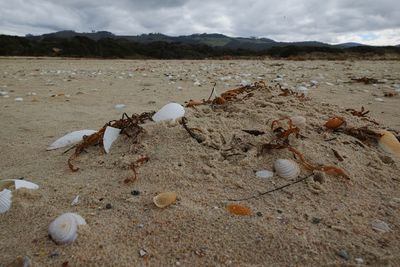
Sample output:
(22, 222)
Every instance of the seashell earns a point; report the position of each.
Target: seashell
(5, 200)
(389, 142)
(17, 183)
(287, 168)
(165, 199)
(238, 209)
(110, 135)
(264, 174)
(302, 90)
(70, 138)
(119, 106)
(298, 121)
(64, 229)
(334, 122)
(170, 111)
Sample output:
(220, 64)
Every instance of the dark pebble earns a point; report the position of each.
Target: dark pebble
(343, 254)
(316, 220)
(108, 206)
(54, 254)
(279, 211)
(135, 192)
(259, 214)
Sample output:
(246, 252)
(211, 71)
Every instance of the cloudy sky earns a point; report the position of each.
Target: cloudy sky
(375, 22)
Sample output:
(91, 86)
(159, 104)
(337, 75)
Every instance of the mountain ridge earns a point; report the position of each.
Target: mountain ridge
(210, 39)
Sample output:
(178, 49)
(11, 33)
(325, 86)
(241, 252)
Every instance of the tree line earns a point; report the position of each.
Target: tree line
(84, 47)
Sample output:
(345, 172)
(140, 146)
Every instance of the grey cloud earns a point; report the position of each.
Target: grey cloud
(286, 20)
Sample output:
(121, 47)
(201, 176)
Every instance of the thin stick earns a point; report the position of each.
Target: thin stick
(272, 190)
(212, 92)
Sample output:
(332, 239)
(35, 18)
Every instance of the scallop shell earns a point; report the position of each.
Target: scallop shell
(70, 138)
(287, 168)
(389, 142)
(5, 200)
(165, 199)
(170, 111)
(64, 229)
(110, 135)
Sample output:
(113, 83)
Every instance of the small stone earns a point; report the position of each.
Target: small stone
(316, 220)
(18, 99)
(259, 214)
(54, 254)
(142, 252)
(135, 192)
(119, 106)
(108, 206)
(343, 254)
(264, 174)
(359, 260)
(380, 226)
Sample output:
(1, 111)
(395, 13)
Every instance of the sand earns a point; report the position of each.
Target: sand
(325, 221)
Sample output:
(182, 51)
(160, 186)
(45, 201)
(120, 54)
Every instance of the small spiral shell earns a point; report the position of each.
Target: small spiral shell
(287, 168)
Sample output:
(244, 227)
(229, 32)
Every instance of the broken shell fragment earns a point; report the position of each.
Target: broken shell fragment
(70, 138)
(165, 199)
(238, 209)
(389, 142)
(5, 200)
(171, 111)
(17, 184)
(287, 168)
(298, 121)
(110, 135)
(334, 122)
(64, 229)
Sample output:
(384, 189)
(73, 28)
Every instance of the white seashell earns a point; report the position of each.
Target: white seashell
(287, 168)
(110, 135)
(170, 111)
(379, 99)
(18, 184)
(64, 229)
(302, 90)
(5, 200)
(298, 121)
(18, 99)
(70, 138)
(264, 174)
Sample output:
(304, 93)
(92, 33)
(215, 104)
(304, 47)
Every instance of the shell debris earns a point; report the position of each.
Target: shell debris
(389, 142)
(164, 199)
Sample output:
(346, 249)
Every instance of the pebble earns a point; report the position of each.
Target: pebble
(380, 226)
(316, 220)
(108, 206)
(264, 174)
(18, 99)
(135, 192)
(259, 214)
(343, 254)
(379, 99)
(359, 260)
(119, 106)
(3, 93)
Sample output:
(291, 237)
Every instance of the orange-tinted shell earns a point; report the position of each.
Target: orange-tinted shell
(219, 100)
(238, 209)
(334, 122)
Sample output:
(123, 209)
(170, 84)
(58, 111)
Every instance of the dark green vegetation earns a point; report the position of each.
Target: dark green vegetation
(159, 46)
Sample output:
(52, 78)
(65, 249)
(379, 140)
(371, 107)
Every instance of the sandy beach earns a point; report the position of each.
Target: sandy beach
(325, 220)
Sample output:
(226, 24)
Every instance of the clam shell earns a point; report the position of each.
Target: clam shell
(171, 111)
(165, 199)
(70, 138)
(64, 229)
(287, 168)
(110, 135)
(5, 200)
(389, 142)
(334, 123)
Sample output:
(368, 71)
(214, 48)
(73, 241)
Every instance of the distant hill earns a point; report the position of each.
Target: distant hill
(212, 39)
